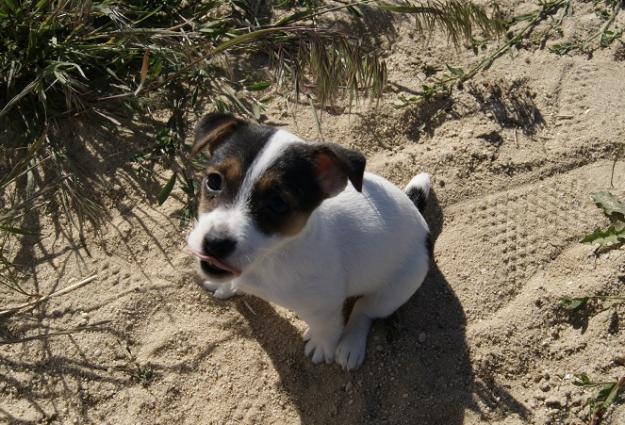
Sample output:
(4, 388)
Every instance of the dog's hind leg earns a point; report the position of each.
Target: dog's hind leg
(350, 352)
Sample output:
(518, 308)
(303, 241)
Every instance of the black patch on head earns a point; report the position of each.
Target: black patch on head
(292, 177)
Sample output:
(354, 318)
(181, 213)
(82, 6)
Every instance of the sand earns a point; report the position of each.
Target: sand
(514, 156)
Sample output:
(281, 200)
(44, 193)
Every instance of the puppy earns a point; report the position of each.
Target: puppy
(302, 225)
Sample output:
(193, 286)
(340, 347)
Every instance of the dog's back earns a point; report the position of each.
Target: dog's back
(375, 232)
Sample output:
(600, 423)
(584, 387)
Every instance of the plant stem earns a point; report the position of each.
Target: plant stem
(52, 334)
(47, 297)
(615, 12)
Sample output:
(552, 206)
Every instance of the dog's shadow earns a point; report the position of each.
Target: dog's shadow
(417, 369)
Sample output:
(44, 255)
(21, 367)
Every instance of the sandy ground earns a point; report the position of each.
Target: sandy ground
(514, 156)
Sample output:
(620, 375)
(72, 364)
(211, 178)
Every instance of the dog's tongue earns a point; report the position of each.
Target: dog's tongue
(215, 262)
(221, 265)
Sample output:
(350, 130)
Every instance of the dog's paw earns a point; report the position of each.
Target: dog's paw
(320, 350)
(221, 291)
(350, 353)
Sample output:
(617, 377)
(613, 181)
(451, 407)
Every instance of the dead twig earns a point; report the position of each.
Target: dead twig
(38, 301)
(93, 326)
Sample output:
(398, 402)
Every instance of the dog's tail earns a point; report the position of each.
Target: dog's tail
(418, 190)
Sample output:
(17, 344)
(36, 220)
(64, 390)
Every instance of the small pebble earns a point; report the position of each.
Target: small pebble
(422, 337)
(553, 402)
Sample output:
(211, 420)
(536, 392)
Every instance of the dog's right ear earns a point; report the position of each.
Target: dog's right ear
(212, 130)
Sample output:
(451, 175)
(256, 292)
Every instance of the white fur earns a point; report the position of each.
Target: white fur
(370, 244)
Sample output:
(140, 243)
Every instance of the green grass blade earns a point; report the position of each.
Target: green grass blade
(10, 4)
(261, 85)
(247, 38)
(25, 91)
(166, 190)
(611, 396)
(17, 231)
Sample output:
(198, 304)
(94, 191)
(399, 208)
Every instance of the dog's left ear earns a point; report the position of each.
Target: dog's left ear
(212, 130)
(334, 165)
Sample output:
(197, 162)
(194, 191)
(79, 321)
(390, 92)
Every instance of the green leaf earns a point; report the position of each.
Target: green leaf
(10, 4)
(609, 203)
(561, 48)
(166, 190)
(355, 11)
(41, 4)
(16, 231)
(456, 72)
(246, 38)
(261, 85)
(610, 236)
(574, 304)
(289, 19)
(582, 380)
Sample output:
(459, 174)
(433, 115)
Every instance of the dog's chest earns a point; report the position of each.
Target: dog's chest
(293, 281)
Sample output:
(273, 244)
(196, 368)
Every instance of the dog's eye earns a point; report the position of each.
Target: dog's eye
(278, 205)
(214, 182)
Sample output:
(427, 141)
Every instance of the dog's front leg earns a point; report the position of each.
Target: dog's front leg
(220, 290)
(323, 334)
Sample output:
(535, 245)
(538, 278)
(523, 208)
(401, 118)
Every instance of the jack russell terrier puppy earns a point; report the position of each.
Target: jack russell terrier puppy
(303, 226)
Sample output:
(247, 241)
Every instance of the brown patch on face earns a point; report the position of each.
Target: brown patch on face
(268, 181)
(231, 169)
(294, 224)
(276, 209)
(287, 194)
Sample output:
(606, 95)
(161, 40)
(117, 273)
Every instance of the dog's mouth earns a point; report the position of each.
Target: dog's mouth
(213, 266)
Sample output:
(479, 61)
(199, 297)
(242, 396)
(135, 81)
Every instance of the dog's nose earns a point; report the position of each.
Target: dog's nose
(218, 248)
